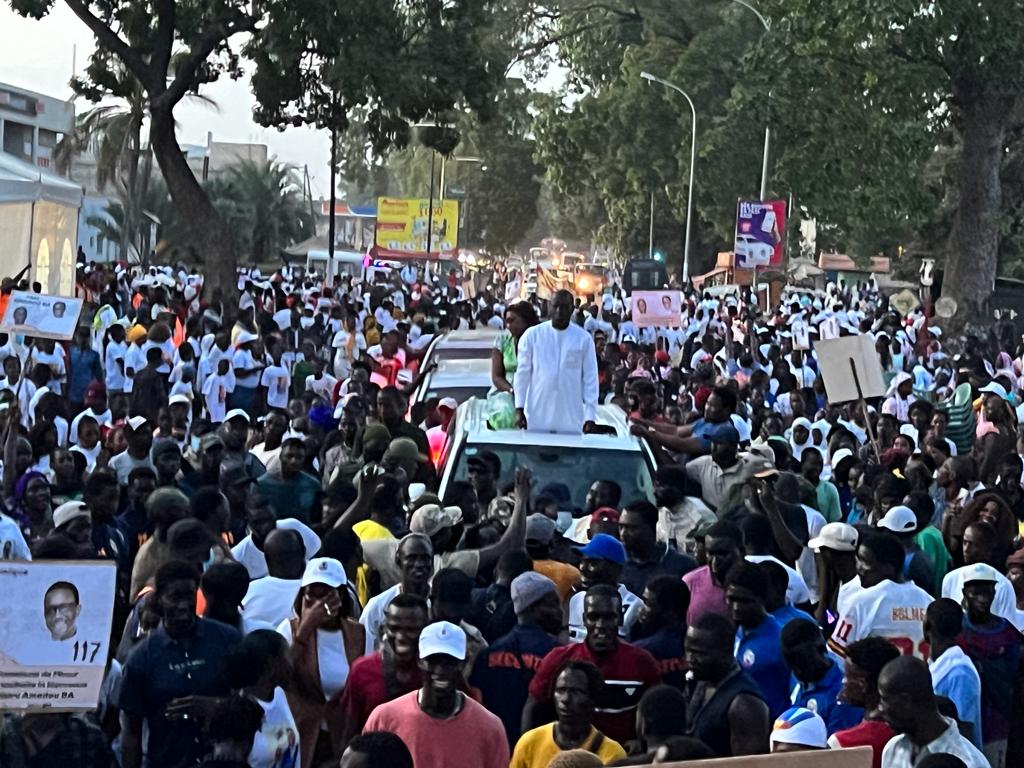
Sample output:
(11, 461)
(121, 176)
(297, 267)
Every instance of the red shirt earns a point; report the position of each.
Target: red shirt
(627, 663)
(870, 733)
(366, 689)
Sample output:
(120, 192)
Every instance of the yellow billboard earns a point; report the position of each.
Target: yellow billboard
(402, 228)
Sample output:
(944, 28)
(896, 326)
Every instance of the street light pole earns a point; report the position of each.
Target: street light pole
(650, 233)
(693, 161)
(767, 129)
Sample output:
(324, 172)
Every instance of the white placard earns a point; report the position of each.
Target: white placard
(656, 309)
(46, 317)
(801, 335)
(55, 622)
(829, 328)
(834, 358)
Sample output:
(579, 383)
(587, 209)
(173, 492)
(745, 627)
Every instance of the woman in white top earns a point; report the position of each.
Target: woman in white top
(325, 641)
(259, 667)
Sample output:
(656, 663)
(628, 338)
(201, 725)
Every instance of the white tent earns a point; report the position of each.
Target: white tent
(38, 224)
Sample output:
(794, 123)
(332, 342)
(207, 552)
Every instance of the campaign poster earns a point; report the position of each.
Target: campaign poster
(760, 227)
(55, 622)
(656, 309)
(402, 226)
(42, 316)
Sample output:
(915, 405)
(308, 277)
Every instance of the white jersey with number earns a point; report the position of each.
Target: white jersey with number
(891, 610)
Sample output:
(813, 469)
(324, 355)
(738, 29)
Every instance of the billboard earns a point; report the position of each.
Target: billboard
(401, 231)
(55, 623)
(42, 316)
(760, 227)
(656, 309)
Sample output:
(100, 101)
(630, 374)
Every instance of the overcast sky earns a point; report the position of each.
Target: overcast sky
(38, 55)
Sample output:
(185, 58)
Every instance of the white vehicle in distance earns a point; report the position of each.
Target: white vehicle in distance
(460, 379)
(461, 345)
(575, 461)
(751, 252)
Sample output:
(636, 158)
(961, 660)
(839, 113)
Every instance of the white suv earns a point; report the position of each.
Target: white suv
(576, 461)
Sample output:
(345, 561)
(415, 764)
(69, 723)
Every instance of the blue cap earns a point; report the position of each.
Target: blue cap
(724, 433)
(605, 547)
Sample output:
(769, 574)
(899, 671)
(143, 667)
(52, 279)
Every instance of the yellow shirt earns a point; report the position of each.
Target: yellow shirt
(367, 530)
(536, 748)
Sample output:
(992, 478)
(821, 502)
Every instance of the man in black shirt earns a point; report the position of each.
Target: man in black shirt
(646, 557)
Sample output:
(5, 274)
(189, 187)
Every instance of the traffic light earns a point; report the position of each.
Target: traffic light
(659, 256)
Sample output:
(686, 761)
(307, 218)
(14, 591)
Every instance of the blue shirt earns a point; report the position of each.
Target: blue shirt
(502, 673)
(666, 646)
(822, 697)
(962, 686)
(759, 653)
(788, 613)
(84, 368)
(161, 669)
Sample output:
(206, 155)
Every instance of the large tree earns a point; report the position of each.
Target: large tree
(314, 63)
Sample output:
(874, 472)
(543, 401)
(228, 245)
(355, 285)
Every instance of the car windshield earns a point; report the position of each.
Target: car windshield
(461, 394)
(574, 467)
(442, 354)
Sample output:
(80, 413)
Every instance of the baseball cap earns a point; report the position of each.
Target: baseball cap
(995, 388)
(68, 511)
(95, 391)
(800, 726)
(404, 448)
(899, 519)
(448, 402)
(725, 433)
(136, 422)
(979, 572)
(540, 528)
(841, 455)
(838, 536)
(605, 514)
(237, 413)
(179, 398)
(210, 440)
(376, 437)
(490, 458)
(135, 333)
(433, 518)
(443, 637)
(324, 570)
(605, 547)
(291, 435)
(245, 337)
(527, 588)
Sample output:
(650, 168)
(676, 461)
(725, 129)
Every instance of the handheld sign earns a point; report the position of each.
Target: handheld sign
(656, 309)
(851, 368)
(41, 316)
(55, 623)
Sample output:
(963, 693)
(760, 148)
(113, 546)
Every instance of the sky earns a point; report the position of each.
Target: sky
(39, 56)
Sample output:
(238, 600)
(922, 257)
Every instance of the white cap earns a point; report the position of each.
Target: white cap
(800, 726)
(324, 570)
(976, 572)
(838, 456)
(995, 388)
(237, 413)
(448, 402)
(292, 434)
(245, 337)
(178, 398)
(135, 422)
(899, 519)
(445, 638)
(838, 536)
(68, 511)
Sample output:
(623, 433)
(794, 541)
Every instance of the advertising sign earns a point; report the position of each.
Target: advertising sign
(45, 317)
(656, 309)
(760, 227)
(54, 633)
(401, 231)
(838, 358)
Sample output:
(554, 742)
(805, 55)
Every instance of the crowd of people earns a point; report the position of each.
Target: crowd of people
(296, 588)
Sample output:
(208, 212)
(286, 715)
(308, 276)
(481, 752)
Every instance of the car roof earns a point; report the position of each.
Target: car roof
(472, 419)
(466, 372)
(478, 338)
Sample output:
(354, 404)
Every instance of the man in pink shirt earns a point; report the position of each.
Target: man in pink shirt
(439, 723)
(723, 546)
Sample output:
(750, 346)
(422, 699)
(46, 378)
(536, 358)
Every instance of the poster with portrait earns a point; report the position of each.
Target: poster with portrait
(656, 309)
(54, 633)
(45, 317)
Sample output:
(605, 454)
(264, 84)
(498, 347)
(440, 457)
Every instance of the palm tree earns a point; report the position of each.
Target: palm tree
(263, 205)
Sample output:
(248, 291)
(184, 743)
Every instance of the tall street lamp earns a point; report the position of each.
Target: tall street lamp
(767, 128)
(693, 159)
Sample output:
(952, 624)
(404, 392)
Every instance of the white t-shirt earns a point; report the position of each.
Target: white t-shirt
(249, 555)
(91, 455)
(372, 617)
(135, 359)
(331, 657)
(892, 610)
(275, 378)
(12, 541)
(215, 392)
(271, 599)
(796, 592)
(277, 742)
(243, 359)
(116, 351)
(55, 361)
(324, 386)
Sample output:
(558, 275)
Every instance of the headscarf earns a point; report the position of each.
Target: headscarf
(798, 448)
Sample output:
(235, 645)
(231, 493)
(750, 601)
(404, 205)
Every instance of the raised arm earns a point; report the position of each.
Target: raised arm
(515, 535)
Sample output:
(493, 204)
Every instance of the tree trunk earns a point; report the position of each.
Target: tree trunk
(210, 230)
(973, 249)
(130, 230)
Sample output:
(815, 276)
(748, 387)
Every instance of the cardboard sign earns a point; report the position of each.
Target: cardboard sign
(656, 309)
(45, 317)
(829, 328)
(856, 757)
(54, 634)
(801, 335)
(834, 360)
